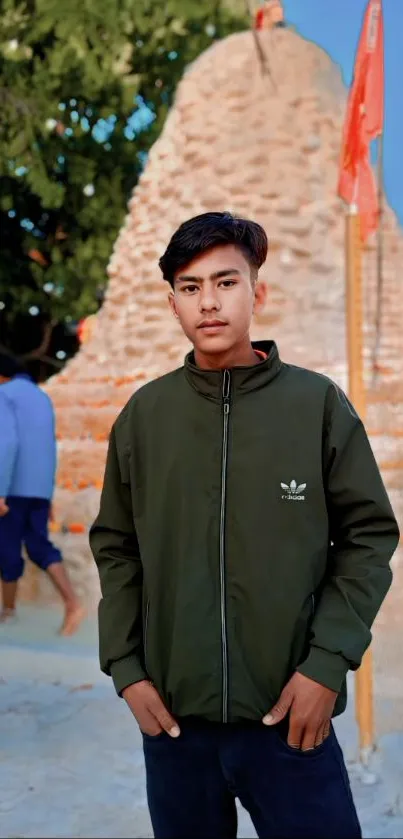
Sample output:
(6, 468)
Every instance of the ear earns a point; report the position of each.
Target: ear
(260, 296)
(171, 301)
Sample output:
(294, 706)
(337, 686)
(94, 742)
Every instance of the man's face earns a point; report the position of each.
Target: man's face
(214, 299)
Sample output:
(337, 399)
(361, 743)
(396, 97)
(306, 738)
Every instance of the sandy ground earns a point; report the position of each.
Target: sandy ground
(71, 763)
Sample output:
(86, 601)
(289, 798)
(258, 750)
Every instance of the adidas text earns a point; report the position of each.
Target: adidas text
(293, 491)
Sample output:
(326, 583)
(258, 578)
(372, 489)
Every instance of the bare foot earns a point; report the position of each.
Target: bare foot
(74, 615)
(7, 615)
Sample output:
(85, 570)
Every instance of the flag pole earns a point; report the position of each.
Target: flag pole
(379, 261)
(356, 387)
(262, 57)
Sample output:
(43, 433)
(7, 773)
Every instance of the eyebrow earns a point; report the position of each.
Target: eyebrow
(218, 275)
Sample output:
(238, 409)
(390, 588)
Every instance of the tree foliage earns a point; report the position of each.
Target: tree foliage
(85, 87)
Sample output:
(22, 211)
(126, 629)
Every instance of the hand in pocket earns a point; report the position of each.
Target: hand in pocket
(310, 707)
(149, 710)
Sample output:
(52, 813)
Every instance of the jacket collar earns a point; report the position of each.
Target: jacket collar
(209, 383)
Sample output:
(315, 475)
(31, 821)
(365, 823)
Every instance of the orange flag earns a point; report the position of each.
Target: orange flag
(364, 121)
(259, 19)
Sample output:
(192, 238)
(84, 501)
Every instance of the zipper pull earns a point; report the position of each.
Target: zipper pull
(226, 390)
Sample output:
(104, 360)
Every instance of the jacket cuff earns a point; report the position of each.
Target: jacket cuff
(328, 669)
(126, 671)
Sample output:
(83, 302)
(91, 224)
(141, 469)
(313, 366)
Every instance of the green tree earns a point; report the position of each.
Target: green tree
(85, 87)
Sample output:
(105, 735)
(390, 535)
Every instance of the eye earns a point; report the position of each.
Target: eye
(227, 283)
(189, 289)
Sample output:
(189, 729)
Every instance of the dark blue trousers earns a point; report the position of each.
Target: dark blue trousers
(26, 523)
(192, 783)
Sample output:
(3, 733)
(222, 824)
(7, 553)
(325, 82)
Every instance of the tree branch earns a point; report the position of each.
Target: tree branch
(40, 351)
(53, 362)
(21, 106)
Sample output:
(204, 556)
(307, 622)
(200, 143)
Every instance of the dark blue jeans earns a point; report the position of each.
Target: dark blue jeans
(25, 524)
(192, 783)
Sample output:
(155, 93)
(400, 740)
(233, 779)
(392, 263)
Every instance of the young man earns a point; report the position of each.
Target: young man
(27, 472)
(243, 545)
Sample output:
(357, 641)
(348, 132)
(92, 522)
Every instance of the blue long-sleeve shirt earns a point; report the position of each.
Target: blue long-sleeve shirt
(27, 440)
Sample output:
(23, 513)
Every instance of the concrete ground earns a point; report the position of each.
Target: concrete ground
(71, 763)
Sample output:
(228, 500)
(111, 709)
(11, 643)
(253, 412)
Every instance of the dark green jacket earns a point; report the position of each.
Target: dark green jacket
(244, 532)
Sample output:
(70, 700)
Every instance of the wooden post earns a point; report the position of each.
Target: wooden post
(356, 387)
(379, 263)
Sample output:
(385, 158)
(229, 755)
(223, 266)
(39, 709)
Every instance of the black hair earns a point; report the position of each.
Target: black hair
(209, 230)
(9, 366)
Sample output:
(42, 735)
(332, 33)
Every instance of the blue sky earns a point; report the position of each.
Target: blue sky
(335, 25)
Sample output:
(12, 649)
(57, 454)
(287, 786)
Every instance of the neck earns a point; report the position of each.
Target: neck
(242, 355)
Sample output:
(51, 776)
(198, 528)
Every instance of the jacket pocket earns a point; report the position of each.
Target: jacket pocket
(145, 634)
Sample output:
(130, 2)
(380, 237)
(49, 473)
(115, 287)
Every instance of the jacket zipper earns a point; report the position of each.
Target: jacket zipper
(224, 640)
(145, 633)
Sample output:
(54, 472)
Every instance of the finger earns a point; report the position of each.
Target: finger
(295, 732)
(320, 735)
(327, 729)
(309, 738)
(162, 715)
(149, 724)
(137, 698)
(280, 710)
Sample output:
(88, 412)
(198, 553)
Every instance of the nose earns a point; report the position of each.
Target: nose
(208, 301)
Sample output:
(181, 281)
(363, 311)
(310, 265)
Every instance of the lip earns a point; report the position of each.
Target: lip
(209, 325)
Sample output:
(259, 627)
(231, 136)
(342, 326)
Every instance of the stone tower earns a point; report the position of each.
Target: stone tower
(266, 147)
